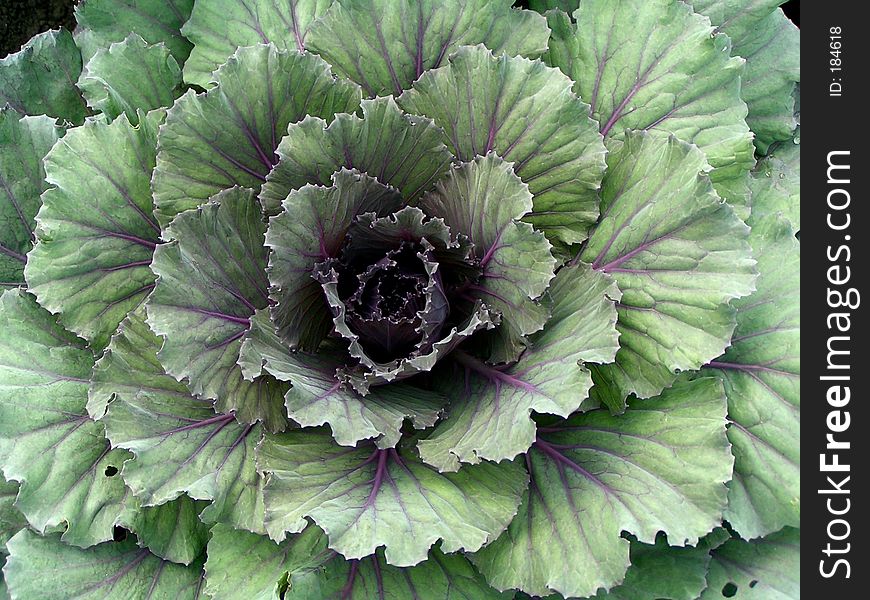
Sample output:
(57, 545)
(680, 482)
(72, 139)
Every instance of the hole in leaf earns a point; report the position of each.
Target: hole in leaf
(729, 590)
(119, 534)
(111, 471)
(753, 583)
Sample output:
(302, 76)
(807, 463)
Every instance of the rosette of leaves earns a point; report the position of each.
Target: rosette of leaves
(387, 299)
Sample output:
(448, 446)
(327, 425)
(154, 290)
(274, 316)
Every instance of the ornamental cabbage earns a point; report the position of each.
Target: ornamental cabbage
(355, 299)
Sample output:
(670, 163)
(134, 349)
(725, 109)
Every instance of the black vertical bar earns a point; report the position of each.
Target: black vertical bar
(835, 255)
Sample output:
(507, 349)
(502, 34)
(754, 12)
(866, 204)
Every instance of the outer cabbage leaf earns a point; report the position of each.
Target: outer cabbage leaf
(312, 228)
(318, 396)
(662, 572)
(11, 519)
(761, 370)
(399, 150)
(678, 254)
(765, 569)
(180, 444)
(24, 141)
(384, 45)
(96, 231)
(776, 183)
(172, 531)
(47, 441)
(302, 567)
(113, 570)
(525, 112)
(4, 589)
(678, 77)
(772, 55)
(129, 366)
(364, 498)
(490, 409)
(218, 27)
(484, 199)
(542, 6)
(762, 34)
(70, 476)
(228, 135)
(41, 78)
(129, 76)
(102, 22)
(211, 280)
(662, 466)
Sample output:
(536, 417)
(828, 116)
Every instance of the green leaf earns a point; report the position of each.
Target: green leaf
(180, 444)
(211, 279)
(662, 572)
(365, 498)
(11, 519)
(228, 135)
(96, 231)
(776, 183)
(4, 589)
(47, 442)
(312, 228)
(765, 569)
(24, 141)
(172, 531)
(490, 411)
(761, 370)
(319, 397)
(156, 21)
(677, 253)
(40, 79)
(662, 466)
(302, 567)
(46, 568)
(218, 27)
(484, 199)
(129, 76)
(737, 18)
(385, 45)
(129, 367)
(762, 34)
(772, 55)
(399, 150)
(543, 6)
(525, 112)
(678, 77)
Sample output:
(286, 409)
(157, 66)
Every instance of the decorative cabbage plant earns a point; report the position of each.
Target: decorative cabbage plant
(437, 299)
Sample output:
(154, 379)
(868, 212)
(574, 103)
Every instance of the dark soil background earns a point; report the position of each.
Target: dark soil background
(22, 19)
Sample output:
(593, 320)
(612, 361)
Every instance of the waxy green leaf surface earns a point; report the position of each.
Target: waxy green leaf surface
(110, 570)
(679, 255)
(527, 114)
(179, 443)
(662, 466)
(129, 76)
(761, 370)
(211, 280)
(366, 497)
(24, 142)
(96, 230)
(228, 135)
(302, 567)
(103, 22)
(385, 45)
(489, 416)
(678, 77)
